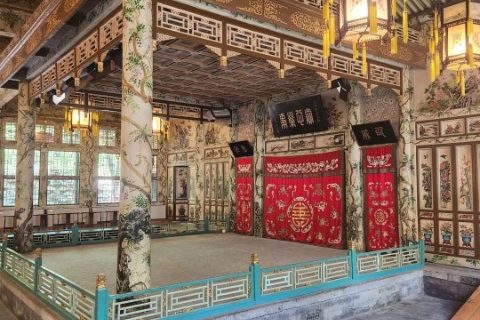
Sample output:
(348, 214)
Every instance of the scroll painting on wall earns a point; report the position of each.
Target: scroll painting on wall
(244, 195)
(303, 199)
(381, 223)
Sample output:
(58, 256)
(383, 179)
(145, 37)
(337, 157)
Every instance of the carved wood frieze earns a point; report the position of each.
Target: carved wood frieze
(48, 18)
(228, 36)
(306, 17)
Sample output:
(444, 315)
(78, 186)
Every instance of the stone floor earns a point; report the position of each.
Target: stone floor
(5, 314)
(180, 259)
(417, 308)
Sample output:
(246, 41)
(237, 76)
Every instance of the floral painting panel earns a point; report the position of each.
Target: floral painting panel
(425, 178)
(444, 178)
(445, 233)
(464, 178)
(427, 229)
(466, 237)
(452, 127)
(182, 183)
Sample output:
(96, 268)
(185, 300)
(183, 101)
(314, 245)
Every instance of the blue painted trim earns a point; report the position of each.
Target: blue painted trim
(101, 304)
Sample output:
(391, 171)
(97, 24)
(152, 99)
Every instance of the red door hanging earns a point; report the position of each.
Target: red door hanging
(244, 195)
(303, 199)
(379, 169)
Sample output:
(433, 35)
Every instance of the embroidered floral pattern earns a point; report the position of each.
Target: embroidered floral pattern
(303, 168)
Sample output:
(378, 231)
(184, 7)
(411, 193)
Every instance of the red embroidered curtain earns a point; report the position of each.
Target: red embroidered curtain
(303, 199)
(379, 167)
(244, 195)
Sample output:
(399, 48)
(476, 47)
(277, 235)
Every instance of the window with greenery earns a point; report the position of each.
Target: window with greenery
(107, 138)
(9, 172)
(63, 177)
(44, 133)
(108, 182)
(70, 137)
(10, 131)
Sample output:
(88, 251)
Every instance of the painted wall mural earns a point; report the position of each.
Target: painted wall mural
(448, 214)
(447, 150)
(304, 199)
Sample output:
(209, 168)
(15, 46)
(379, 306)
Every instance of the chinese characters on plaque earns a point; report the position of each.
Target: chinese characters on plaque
(374, 133)
(299, 116)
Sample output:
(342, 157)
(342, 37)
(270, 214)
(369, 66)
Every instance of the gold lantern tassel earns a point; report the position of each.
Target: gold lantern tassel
(394, 43)
(373, 17)
(331, 28)
(394, 9)
(462, 83)
(326, 44)
(326, 10)
(437, 63)
(364, 59)
(457, 78)
(354, 50)
(405, 22)
(433, 72)
(435, 28)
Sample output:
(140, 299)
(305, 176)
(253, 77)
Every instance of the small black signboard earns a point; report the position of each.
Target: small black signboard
(374, 133)
(241, 149)
(299, 116)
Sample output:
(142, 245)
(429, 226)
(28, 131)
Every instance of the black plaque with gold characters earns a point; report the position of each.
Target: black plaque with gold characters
(241, 149)
(298, 116)
(373, 133)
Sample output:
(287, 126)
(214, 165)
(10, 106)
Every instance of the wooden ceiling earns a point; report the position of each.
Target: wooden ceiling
(13, 14)
(183, 69)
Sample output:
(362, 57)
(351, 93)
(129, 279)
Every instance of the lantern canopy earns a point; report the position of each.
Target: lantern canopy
(461, 35)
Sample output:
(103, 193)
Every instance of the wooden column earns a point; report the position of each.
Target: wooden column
(406, 164)
(354, 182)
(23, 240)
(258, 153)
(133, 269)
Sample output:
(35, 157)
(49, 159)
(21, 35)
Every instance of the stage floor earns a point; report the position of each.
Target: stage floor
(180, 259)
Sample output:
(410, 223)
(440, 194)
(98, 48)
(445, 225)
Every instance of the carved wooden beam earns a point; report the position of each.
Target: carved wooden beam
(302, 17)
(48, 18)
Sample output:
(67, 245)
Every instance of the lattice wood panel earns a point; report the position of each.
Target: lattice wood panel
(111, 30)
(66, 64)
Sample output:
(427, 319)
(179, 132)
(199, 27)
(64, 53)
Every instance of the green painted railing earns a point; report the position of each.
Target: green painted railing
(213, 296)
(79, 236)
(65, 297)
(235, 292)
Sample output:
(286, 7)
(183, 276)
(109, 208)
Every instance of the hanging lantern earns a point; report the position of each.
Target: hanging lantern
(160, 126)
(362, 21)
(81, 119)
(461, 38)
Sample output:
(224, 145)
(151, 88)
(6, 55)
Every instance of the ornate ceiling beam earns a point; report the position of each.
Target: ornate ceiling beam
(225, 36)
(47, 19)
(306, 17)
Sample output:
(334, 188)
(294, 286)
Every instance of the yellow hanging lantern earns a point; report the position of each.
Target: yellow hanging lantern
(362, 21)
(461, 38)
